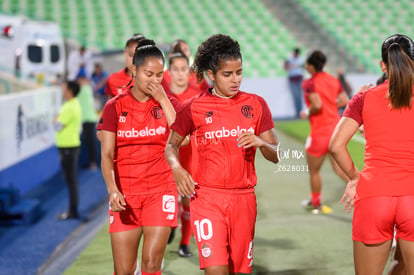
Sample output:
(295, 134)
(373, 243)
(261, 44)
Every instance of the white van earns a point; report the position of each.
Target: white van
(31, 49)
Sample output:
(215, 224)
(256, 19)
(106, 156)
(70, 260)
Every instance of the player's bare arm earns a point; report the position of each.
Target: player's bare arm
(266, 142)
(338, 148)
(342, 100)
(116, 199)
(184, 181)
(315, 103)
(315, 106)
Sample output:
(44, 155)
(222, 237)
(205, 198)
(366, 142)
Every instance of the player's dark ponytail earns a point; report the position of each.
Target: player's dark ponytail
(211, 52)
(145, 49)
(398, 54)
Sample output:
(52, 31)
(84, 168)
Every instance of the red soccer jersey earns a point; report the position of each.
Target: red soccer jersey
(185, 98)
(389, 148)
(141, 131)
(192, 81)
(191, 92)
(328, 88)
(117, 83)
(215, 124)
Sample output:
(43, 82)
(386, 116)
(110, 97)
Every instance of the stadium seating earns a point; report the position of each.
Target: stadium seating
(105, 24)
(361, 26)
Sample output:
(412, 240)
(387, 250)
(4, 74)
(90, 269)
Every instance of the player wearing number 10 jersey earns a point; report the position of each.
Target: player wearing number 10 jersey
(227, 126)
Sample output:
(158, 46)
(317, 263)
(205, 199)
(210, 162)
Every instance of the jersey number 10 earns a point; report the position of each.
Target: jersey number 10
(204, 229)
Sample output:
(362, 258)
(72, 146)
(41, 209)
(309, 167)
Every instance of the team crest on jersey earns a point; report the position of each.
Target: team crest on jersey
(209, 114)
(156, 112)
(111, 219)
(206, 250)
(247, 111)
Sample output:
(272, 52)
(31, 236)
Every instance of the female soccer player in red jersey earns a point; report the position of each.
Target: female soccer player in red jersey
(227, 126)
(134, 129)
(180, 88)
(323, 96)
(182, 46)
(122, 80)
(383, 193)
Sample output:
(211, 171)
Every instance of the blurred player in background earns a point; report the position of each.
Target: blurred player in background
(134, 129)
(123, 80)
(323, 96)
(227, 126)
(383, 193)
(182, 46)
(346, 86)
(180, 88)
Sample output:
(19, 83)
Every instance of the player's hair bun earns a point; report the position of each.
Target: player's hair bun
(145, 43)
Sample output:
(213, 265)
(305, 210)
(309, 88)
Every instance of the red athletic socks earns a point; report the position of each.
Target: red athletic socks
(185, 225)
(146, 273)
(316, 199)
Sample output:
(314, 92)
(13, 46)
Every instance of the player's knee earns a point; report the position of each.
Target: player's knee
(124, 270)
(151, 264)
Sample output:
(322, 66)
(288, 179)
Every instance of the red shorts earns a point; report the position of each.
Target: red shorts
(317, 146)
(159, 209)
(375, 217)
(223, 224)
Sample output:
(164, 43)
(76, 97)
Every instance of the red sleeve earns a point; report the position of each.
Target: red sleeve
(98, 127)
(108, 87)
(266, 122)
(308, 86)
(109, 118)
(175, 103)
(184, 123)
(354, 108)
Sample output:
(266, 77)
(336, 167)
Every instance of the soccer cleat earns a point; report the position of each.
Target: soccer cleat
(184, 251)
(324, 209)
(321, 209)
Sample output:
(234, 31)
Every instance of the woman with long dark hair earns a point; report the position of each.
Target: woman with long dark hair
(382, 194)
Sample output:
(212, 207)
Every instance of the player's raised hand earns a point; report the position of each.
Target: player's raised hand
(156, 91)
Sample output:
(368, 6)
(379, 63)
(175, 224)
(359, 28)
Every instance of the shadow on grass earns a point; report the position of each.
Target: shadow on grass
(285, 244)
(261, 270)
